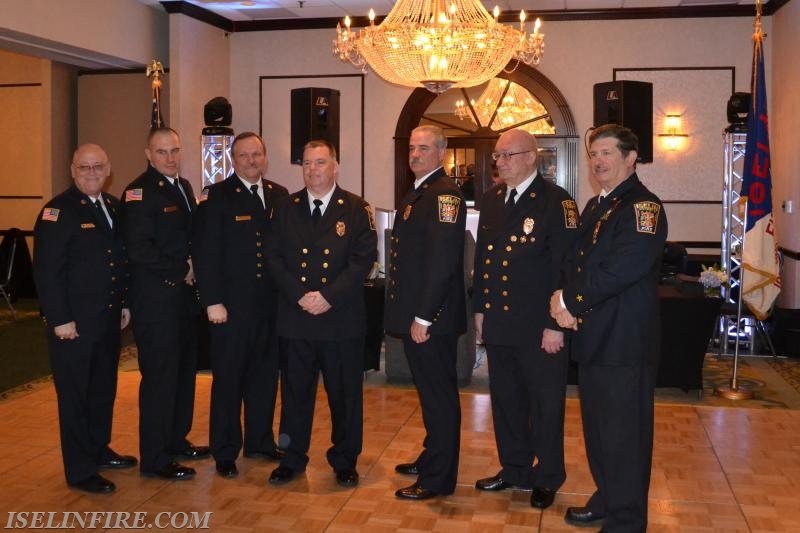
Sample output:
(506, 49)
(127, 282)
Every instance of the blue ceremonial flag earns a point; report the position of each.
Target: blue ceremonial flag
(760, 276)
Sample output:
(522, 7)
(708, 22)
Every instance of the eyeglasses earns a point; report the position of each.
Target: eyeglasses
(97, 168)
(506, 155)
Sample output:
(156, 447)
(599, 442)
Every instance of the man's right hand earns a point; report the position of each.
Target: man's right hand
(66, 332)
(217, 314)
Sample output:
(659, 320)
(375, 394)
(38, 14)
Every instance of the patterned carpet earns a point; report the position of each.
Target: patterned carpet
(775, 382)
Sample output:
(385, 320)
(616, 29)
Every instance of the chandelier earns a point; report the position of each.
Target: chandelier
(423, 43)
(505, 104)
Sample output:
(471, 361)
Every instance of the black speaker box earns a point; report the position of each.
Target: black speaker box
(315, 115)
(218, 112)
(630, 104)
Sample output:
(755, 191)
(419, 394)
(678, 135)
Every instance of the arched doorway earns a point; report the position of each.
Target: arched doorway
(472, 135)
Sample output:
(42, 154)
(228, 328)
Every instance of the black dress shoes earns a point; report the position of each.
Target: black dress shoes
(270, 455)
(173, 472)
(347, 477)
(112, 459)
(582, 517)
(492, 483)
(193, 452)
(415, 492)
(227, 469)
(542, 498)
(407, 469)
(95, 484)
(281, 475)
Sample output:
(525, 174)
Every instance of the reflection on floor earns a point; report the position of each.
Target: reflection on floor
(715, 469)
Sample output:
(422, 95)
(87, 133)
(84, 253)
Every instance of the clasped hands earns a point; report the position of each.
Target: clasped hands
(314, 303)
(560, 313)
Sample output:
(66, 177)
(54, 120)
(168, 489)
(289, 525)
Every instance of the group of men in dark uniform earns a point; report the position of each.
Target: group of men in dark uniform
(544, 277)
(274, 271)
(168, 259)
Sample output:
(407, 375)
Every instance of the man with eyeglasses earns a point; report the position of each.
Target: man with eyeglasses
(320, 248)
(426, 307)
(80, 273)
(157, 209)
(240, 298)
(526, 224)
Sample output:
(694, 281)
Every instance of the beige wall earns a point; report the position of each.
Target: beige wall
(200, 54)
(37, 99)
(96, 33)
(114, 111)
(578, 55)
(784, 136)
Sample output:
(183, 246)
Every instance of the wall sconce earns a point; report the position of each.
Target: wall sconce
(672, 139)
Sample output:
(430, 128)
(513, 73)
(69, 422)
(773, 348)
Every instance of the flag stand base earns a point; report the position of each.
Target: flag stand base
(734, 393)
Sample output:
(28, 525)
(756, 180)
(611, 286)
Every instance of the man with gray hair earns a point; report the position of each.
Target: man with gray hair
(426, 307)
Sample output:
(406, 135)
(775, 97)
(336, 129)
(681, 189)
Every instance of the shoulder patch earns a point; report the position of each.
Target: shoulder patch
(50, 214)
(370, 216)
(647, 216)
(448, 208)
(133, 195)
(570, 214)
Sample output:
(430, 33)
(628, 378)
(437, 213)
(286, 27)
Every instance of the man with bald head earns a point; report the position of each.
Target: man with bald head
(526, 224)
(79, 268)
(157, 210)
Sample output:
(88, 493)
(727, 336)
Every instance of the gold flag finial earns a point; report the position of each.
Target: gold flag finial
(155, 69)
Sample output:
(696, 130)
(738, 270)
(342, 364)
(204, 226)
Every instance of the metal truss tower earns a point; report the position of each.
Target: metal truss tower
(216, 153)
(732, 218)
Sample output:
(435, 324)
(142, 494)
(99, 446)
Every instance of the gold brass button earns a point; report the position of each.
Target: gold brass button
(326, 251)
(303, 264)
(486, 276)
(505, 263)
(508, 248)
(485, 291)
(488, 262)
(324, 280)
(303, 279)
(305, 250)
(325, 265)
(513, 238)
(504, 278)
(490, 247)
(505, 308)
(488, 305)
(258, 275)
(259, 254)
(258, 244)
(505, 293)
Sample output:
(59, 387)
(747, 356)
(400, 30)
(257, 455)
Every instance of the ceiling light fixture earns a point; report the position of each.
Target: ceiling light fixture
(423, 43)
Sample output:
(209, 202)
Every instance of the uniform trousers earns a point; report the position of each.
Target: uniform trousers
(617, 414)
(342, 367)
(168, 365)
(85, 376)
(433, 368)
(528, 391)
(244, 363)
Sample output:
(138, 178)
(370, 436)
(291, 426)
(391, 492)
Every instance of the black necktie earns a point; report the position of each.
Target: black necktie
(254, 190)
(511, 196)
(100, 212)
(316, 214)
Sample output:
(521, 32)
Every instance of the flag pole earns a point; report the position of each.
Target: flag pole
(734, 391)
(155, 70)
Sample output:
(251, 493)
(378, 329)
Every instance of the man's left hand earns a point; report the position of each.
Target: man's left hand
(552, 341)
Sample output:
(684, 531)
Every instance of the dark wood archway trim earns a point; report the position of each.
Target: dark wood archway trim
(419, 101)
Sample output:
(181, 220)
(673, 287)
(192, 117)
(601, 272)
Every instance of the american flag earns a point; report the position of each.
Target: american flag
(133, 195)
(50, 213)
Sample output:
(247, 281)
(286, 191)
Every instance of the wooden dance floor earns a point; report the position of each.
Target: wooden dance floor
(714, 469)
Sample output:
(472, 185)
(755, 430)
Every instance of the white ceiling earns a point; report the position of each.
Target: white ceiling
(245, 10)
